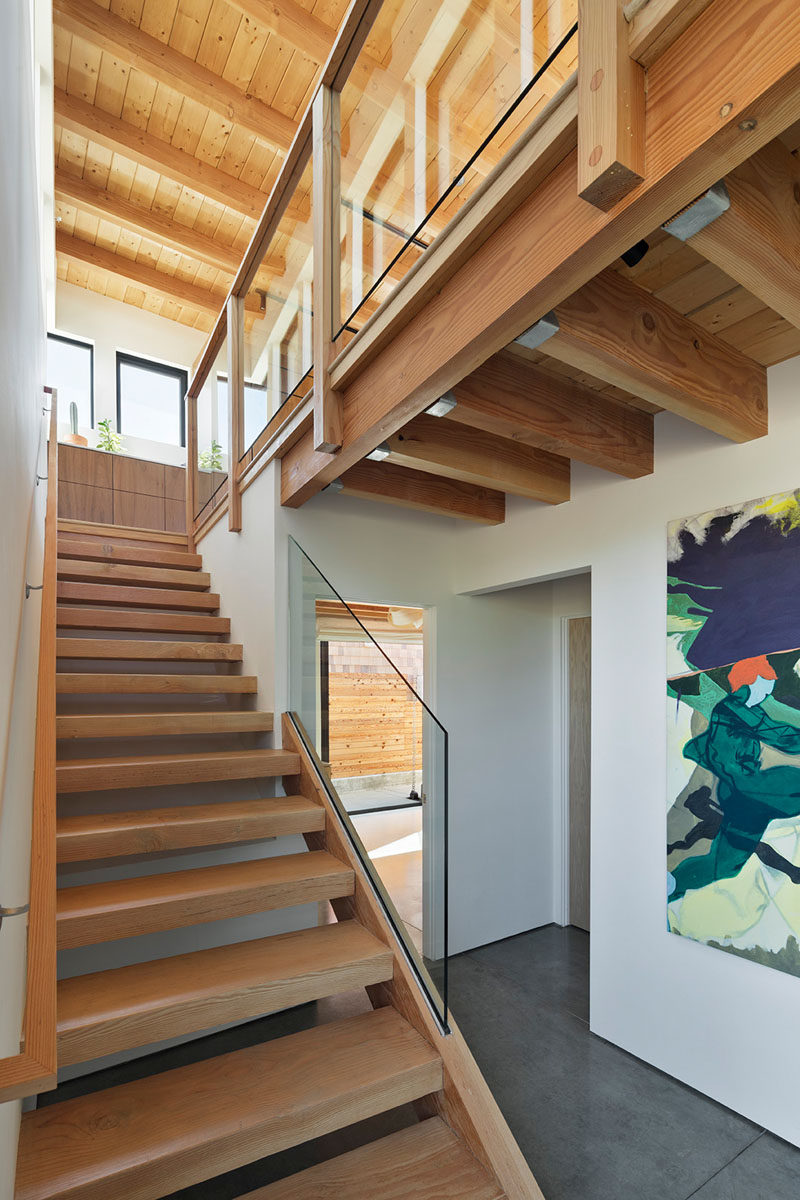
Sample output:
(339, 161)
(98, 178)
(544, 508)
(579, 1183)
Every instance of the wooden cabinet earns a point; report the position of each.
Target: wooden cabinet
(120, 490)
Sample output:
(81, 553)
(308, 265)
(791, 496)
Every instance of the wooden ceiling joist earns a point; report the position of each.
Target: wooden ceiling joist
(138, 274)
(157, 59)
(146, 222)
(120, 137)
(616, 331)
(513, 398)
(757, 240)
(460, 452)
(291, 23)
(428, 493)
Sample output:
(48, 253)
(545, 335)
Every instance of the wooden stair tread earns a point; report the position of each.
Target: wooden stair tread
(83, 682)
(123, 648)
(106, 835)
(79, 571)
(139, 620)
(426, 1161)
(152, 770)
(145, 556)
(145, 1139)
(133, 597)
(71, 527)
(166, 724)
(102, 912)
(135, 1005)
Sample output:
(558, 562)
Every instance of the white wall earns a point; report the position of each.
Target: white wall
(490, 681)
(114, 326)
(21, 399)
(685, 1008)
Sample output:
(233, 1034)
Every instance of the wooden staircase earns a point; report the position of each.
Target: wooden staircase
(170, 1130)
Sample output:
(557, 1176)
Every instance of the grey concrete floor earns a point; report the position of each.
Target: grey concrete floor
(594, 1122)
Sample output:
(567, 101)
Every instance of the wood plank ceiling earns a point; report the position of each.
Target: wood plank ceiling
(147, 172)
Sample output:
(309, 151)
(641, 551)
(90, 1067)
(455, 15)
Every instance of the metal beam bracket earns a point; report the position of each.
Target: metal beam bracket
(539, 333)
(442, 406)
(700, 213)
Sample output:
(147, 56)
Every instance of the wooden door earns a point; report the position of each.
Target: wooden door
(579, 766)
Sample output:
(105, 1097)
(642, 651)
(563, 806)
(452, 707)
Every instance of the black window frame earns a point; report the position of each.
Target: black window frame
(157, 368)
(74, 341)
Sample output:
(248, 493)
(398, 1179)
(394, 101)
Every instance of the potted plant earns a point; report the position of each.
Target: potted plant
(107, 438)
(211, 459)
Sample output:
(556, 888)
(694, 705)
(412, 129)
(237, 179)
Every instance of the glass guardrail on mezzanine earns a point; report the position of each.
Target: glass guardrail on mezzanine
(437, 96)
(278, 317)
(382, 756)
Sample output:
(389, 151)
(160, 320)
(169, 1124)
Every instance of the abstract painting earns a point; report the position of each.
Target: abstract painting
(733, 730)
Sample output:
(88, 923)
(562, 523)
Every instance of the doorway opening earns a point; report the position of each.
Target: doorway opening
(371, 739)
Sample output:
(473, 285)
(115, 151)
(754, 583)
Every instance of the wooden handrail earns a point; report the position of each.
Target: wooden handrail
(34, 1069)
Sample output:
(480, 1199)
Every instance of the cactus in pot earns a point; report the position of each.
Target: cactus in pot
(75, 438)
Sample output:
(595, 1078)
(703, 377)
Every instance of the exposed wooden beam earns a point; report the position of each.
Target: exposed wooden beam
(145, 221)
(427, 493)
(120, 137)
(618, 332)
(291, 23)
(138, 274)
(611, 106)
(757, 240)
(515, 399)
(158, 60)
(656, 24)
(474, 456)
(742, 53)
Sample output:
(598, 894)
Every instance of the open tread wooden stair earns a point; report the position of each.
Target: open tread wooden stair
(140, 621)
(121, 573)
(165, 1132)
(145, 1139)
(159, 651)
(103, 912)
(118, 534)
(426, 1161)
(132, 1006)
(109, 835)
(83, 682)
(113, 552)
(101, 774)
(126, 725)
(129, 597)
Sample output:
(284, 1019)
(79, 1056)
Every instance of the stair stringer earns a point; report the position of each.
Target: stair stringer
(465, 1102)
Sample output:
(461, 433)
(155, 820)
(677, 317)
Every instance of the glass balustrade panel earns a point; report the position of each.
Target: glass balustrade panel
(357, 694)
(439, 93)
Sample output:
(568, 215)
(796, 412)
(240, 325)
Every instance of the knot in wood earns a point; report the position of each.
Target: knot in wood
(649, 321)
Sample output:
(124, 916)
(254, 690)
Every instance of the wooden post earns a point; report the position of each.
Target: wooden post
(235, 407)
(191, 468)
(611, 106)
(327, 249)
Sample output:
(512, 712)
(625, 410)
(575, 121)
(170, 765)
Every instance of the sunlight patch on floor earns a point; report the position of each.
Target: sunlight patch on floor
(405, 845)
